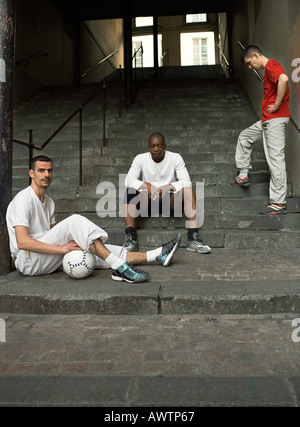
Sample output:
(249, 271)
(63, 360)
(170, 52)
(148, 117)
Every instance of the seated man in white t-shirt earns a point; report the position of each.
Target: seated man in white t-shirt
(38, 245)
(159, 183)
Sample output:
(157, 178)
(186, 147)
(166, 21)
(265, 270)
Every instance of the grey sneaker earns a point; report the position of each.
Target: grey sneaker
(168, 251)
(196, 245)
(130, 244)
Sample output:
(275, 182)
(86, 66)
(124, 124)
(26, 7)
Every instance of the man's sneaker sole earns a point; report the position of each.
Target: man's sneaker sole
(120, 275)
(204, 250)
(274, 210)
(244, 183)
(124, 279)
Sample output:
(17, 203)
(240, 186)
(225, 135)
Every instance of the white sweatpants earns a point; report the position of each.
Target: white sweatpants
(75, 227)
(272, 132)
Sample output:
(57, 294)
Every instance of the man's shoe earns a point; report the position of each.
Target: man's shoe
(130, 274)
(275, 209)
(130, 244)
(196, 245)
(168, 251)
(243, 182)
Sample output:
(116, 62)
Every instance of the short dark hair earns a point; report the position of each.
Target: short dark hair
(157, 135)
(249, 51)
(39, 159)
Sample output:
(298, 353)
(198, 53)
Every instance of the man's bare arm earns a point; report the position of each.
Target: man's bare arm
(25, 242)
(281, 90)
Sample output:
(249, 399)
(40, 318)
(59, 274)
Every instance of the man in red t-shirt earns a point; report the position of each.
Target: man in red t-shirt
(275, 116)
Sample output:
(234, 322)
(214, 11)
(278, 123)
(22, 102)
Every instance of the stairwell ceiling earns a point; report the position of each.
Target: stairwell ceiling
(98, 9)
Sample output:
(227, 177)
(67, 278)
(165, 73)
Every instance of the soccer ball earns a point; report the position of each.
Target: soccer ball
(78, 264)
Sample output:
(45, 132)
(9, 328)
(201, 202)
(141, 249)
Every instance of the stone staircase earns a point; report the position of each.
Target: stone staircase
(200, 118)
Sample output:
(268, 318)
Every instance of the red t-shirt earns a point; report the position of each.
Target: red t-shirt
(273, 71)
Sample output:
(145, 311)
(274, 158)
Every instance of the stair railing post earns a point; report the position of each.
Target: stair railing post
(30, 149)
(104, 111)
(120, 94)
(80, 147)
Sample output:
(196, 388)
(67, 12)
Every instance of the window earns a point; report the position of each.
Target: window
(144, 22)
(199, 17)
(200, 48)
(197, 48)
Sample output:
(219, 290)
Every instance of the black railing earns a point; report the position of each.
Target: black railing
(31, 146)
(261, 80)
(134, 59)
(163, 59)
(24, 62)
(227, 65)
(98, 64)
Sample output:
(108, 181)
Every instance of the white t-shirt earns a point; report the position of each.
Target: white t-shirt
(27, 209)
(171, 170)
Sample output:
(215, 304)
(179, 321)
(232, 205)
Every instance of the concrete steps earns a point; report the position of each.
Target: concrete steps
(254, 264)
(198, 121)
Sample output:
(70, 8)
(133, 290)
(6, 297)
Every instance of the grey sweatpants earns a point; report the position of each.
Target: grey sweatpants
(272, 132)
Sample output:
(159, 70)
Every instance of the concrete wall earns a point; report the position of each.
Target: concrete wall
(293, 148)
(98, 40)
(39, 27)
(274, 26)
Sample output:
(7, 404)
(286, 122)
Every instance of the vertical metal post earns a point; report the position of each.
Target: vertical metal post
(127, 23)
(142, 54)
(80, 147)
(7, 60)
(120, 94)
(104, 112)
(155, 47)
(30, 149)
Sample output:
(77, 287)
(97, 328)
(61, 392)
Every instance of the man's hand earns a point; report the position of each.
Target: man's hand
(71, 246)
(149, 188)
(160, 192)
(272, 108)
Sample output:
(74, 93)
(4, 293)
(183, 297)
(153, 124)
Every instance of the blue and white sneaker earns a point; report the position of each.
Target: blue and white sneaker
(130, 274)
(168, 251)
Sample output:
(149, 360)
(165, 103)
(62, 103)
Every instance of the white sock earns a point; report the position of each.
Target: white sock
(151, 255)
(114, 261)
(244, 173)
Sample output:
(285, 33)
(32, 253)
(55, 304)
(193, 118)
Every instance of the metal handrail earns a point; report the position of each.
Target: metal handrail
(26, 61)
(99, 63)
(134, 58)
(31, 146)
(162, 58)
(225, 59)
(261, 80)
(162, 63)
(136, 51)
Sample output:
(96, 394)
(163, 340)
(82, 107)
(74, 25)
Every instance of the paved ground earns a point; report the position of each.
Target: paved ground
(165, 354)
